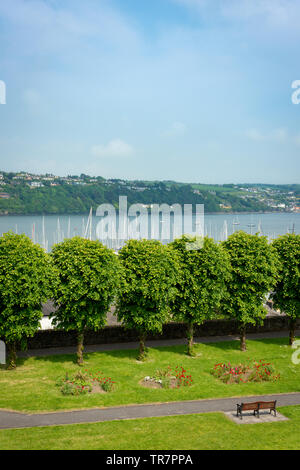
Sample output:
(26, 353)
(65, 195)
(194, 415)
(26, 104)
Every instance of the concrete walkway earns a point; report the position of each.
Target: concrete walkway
(10, 419)
(151, 344)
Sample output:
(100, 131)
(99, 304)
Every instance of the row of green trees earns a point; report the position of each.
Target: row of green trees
(79, 198)
(150, 283)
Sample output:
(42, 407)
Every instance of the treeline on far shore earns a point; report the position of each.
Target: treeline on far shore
(19, 197)
(190, 280)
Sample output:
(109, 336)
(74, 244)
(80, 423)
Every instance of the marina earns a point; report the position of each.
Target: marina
(51, 229)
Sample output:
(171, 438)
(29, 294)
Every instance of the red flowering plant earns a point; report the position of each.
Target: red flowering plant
(106, 383)
(253, 371)
(183, 378)
(83, 383)
(169, 378)
(75, 385)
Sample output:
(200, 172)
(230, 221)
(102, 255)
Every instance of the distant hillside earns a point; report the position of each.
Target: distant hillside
(24, 193)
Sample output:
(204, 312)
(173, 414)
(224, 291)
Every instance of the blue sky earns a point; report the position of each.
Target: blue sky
(186, 90)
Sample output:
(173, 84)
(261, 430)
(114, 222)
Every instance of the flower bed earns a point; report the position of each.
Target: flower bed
(168, 378)
(254, 371)
(83, 383)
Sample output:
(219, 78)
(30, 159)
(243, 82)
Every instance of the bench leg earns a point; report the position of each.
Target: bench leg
(238, 412)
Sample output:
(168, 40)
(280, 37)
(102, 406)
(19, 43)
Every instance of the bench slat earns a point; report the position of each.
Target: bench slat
(266, 404)
(249, 406)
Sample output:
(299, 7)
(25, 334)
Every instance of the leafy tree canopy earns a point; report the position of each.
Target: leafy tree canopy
(25, 274)
(287, 290)
(254, 267)
(201, 286)
(150, 273)
(286, 295)
(87, 282)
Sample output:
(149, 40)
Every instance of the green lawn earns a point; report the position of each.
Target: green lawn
(203, 431)
(31, 387)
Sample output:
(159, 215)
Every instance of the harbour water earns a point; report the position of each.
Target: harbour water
(50, 229)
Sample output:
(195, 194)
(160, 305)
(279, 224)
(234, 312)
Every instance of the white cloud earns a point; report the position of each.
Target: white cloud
(276, 12)
(39, 25)
(114, 148)
(176, 129)
(273, 14)
(276, 135)
(279, 135)
(254, 134)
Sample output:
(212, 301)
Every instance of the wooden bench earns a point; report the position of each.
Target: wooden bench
(256, 407)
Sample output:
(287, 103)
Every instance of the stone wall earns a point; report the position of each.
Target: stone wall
(118, 334)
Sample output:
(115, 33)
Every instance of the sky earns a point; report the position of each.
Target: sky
(184, 90)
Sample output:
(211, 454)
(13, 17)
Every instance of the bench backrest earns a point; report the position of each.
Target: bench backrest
(250, 406)
(266, 405)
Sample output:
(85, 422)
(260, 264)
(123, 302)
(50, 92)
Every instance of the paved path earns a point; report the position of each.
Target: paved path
(151, 344)
(11, 419)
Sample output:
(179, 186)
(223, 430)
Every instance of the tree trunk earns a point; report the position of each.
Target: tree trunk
(80, 338)
(243, 338)
(142, 349)
(190, 338)
(292, 330)
(12, 356)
